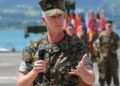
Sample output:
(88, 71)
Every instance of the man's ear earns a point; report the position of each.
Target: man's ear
(43, 19)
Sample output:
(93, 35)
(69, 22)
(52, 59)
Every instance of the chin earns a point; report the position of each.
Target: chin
(59, 30)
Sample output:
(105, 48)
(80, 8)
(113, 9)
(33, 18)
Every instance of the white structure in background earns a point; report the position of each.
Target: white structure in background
(4, 49)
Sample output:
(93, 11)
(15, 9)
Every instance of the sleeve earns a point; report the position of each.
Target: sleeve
(27, 60)
(23, 67)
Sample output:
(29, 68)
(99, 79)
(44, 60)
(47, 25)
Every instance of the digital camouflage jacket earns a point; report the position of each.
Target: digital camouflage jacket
(61, 58)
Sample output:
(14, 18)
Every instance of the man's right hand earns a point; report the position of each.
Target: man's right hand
(27, 79)
(39, 66)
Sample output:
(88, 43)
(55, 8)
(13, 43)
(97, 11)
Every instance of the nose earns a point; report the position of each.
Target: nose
(57, 20)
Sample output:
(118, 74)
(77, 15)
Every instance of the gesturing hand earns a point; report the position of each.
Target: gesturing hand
(80, 68)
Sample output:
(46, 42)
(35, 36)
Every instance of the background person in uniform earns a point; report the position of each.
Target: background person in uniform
(65, 64)
(108, 61)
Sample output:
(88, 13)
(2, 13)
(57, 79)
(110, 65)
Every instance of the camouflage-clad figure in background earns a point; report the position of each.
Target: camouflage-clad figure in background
(61, 58)
(107, 61)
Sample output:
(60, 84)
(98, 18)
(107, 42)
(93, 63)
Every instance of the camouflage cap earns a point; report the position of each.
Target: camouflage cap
(109, 22)
(52, 7)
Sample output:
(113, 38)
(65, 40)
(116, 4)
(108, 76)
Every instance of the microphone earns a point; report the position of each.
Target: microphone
(41, 55)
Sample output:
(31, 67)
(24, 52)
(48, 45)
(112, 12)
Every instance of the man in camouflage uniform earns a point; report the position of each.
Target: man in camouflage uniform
(63, 64)
(107, 61)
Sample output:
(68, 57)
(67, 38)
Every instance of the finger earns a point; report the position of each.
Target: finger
(40, 62)
(42, 71)
(39, 65)
(39, 68)
(81, 69)
(83, 60)
(73, 72)
(80, 66)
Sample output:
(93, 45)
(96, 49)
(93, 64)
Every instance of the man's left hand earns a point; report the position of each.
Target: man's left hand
(80, 68)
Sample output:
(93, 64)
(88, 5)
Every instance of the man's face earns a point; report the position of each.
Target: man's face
(55, 23)
(108, 27)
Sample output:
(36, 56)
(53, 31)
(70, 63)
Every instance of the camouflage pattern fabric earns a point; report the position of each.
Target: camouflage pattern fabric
(52, 4)
(61, 58)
